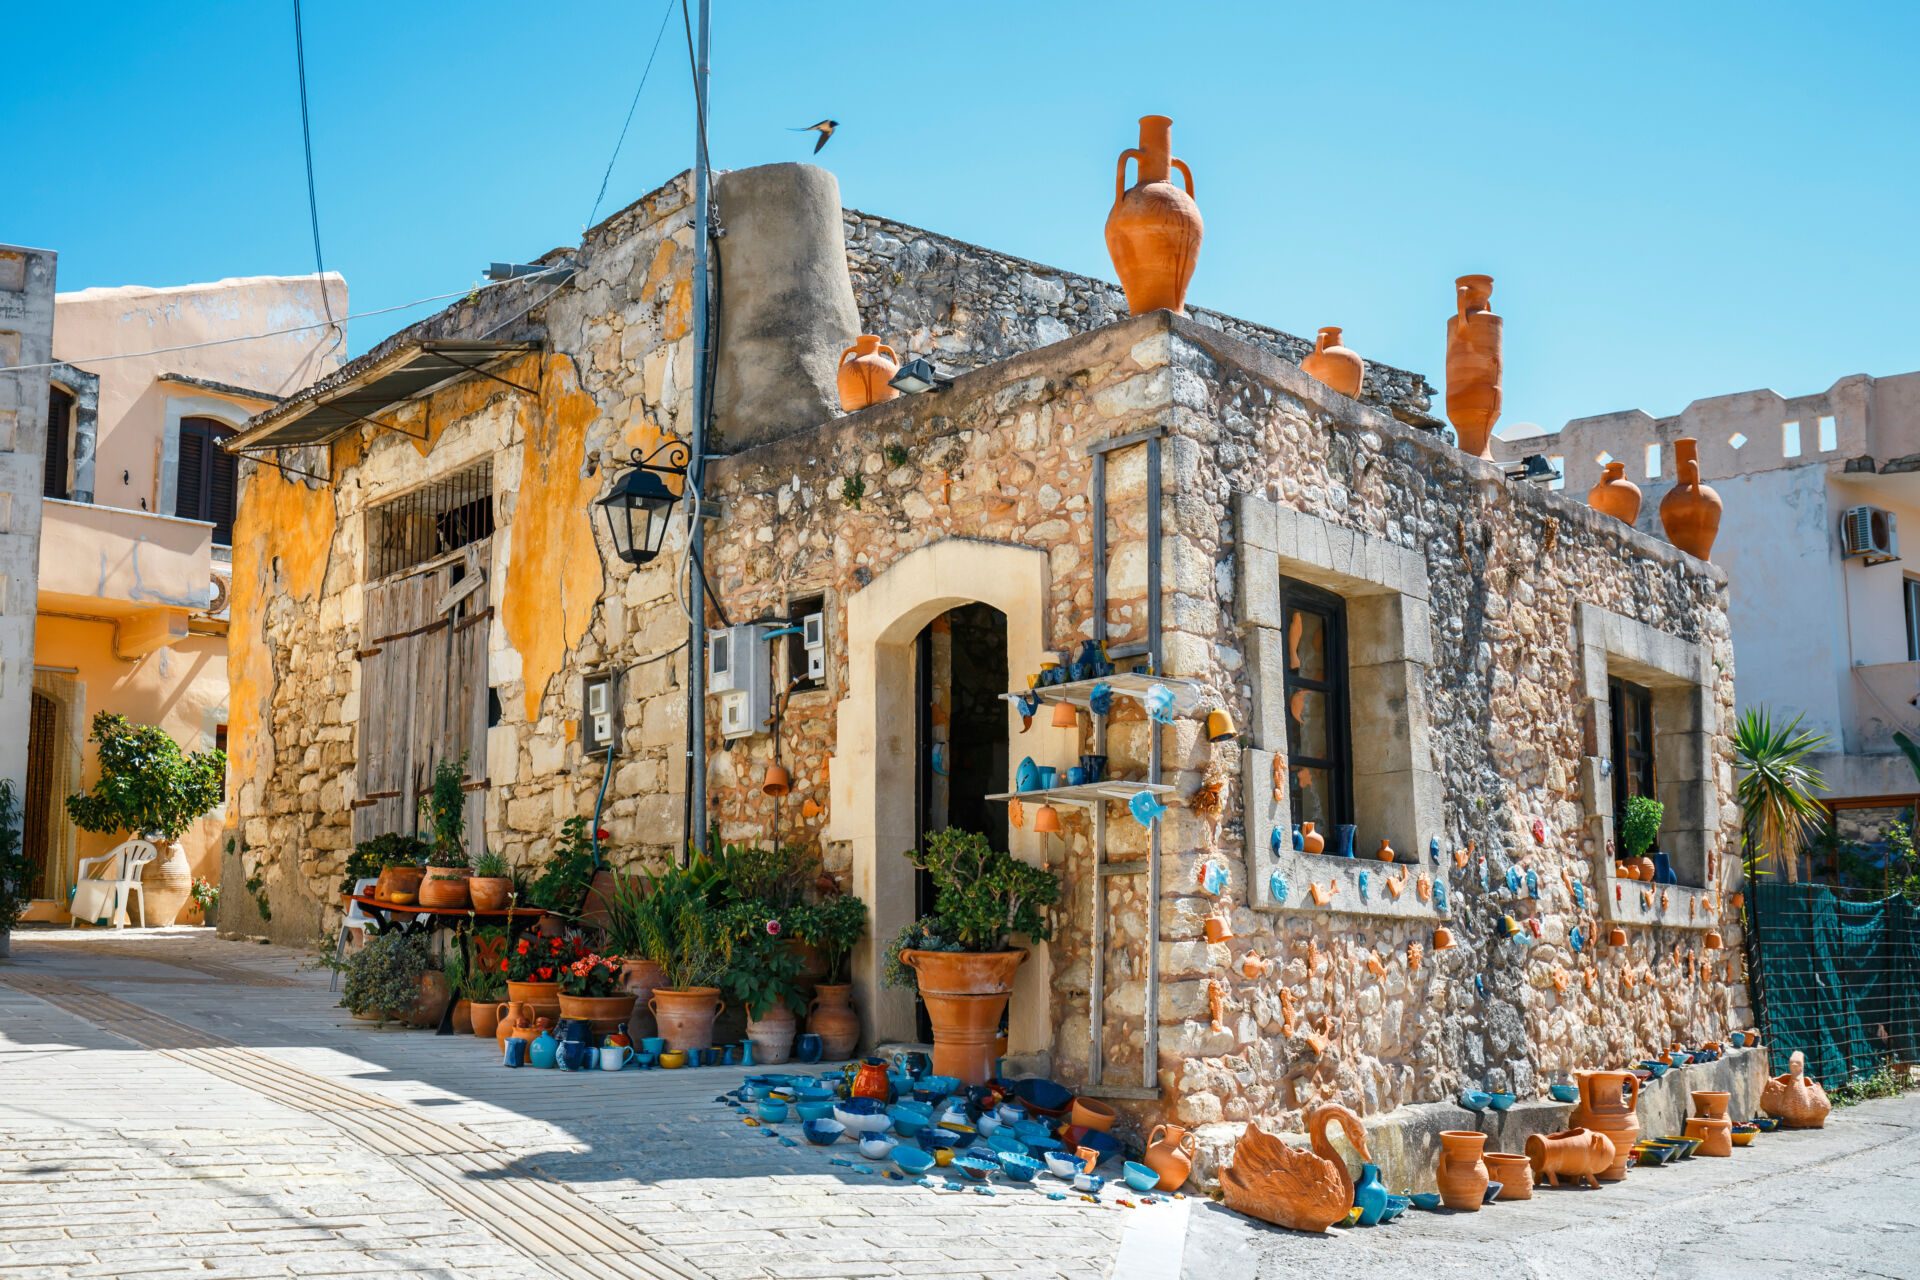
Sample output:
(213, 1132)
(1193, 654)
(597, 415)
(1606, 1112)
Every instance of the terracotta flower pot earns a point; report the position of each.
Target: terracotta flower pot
(1690, 513)
(833, 1018)
(490, 893)
(866, 368)
(643, 978)
(542, 997)
(1459, 1171)
(463, 1017)
(772, 1035)
(1091, 1113)
(1615, 495)
(1154, 228)
(398, 880)
(1473, 364)
(685, 1018)
(1513, 1172)
(1169, 1154)
(445, 889)
(485, 1015)
(431, 1004)
(965, 993)
(604, 1015)
(165, 884)
(1335, 365)
(1606, 1106)
(1580, 1154)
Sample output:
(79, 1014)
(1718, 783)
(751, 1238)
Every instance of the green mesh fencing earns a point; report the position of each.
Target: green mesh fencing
(1836, 974)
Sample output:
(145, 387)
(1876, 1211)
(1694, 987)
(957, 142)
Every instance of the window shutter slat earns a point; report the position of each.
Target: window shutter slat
(191, 477)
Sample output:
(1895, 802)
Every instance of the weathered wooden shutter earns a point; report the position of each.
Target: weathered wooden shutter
(190, 475)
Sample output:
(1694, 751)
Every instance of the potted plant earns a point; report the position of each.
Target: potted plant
(960, 956)
(206, 896)
(687, 937)
(1639, 829)
(389, 980)
(457, 969)
(533, 969)
(396, 862)
(15, 874)
(486, 976)
(625, 933)
(833, 927)
(590, 990)
(561, 887)
(490, 888)
(763, 975)
(445, 808)
(149, 787)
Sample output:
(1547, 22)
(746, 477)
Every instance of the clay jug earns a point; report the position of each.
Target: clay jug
(643, 978)
(1690, 513)
(833, 1019)
(1154, 228)
(1169, 1154)
(1607, 1100)
(1473, 364)
(1385, 851)
(871, 1081)
(685, 1018)
(1514, 1173)
(1310, 840)
(1337, 366)
(1615, 495)
(866, 369)
(1709, 1122)
(1579, 1154)
(1460, 1173)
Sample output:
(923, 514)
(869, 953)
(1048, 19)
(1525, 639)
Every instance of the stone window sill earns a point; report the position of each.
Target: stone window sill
(1340, 879)
(1668, 906)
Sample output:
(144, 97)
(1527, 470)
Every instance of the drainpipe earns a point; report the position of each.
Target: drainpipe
(702, 407)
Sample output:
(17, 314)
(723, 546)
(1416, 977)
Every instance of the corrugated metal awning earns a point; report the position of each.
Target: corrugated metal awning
(328, 410)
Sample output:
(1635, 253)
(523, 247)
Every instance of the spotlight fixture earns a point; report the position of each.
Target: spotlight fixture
(917, 376)
(500, 271)
(1533, 469)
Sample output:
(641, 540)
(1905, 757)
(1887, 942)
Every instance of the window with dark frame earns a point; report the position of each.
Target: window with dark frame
(1632, 744)
(207, 477)
(797, 612)
(430, 521)
(59, 443)
(1319, 751)
(1910, 596)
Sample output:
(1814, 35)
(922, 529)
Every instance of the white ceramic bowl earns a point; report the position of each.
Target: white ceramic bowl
(876, 1147)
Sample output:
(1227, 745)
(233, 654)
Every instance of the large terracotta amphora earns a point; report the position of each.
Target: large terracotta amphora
(1615, 495)
(1473, 364)
(1337, 366)
(1607, 1100)
(1169, 1154)
(686, 1017)
(833, 1019)
(1460, 1172)
(1709, 1122)
(1154, 228)
(643, 978)
(866, 373)
(1579, 1154)
(1690, 513)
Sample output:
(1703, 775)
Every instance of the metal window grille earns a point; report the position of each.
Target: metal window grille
(430, 521)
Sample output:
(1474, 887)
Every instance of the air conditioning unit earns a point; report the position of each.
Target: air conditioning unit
(1870, 533)
(813, 638)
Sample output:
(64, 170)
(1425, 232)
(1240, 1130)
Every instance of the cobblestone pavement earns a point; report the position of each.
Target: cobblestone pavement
(173, 1104)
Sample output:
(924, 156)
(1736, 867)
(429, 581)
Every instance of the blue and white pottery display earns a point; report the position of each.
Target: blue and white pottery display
(979, 1168)
(822, 1133)
(1089, 1183)
(1017, 1167)
(1061, 1164)
(877, 1146)
(1213, 877)
(1343, 840)
(862, 1115)
(1159, 702)
(1146, 808)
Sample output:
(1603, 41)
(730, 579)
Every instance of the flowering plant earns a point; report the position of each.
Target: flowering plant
(533, 958)
(591, 975)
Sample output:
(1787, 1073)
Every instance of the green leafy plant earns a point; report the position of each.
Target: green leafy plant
(445, 808)
(679, 928)
(561, 886)
(383, 977)
(370, 857)
(833, 927)
(1884, 1083)
(775, 877)
(257, 890)
(852, 489)
(982, 896)
(1903, 863)
(147, 785)
(489, 865)
(539, 958)
(763, 972)
(917, 935)
(16, 874)
(896, 455)
(206, 893)
(1640, 825)
(1776, 789)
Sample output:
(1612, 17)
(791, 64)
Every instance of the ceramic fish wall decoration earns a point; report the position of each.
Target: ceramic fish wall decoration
(1433, 850)
(1146, 808)
(1423, 887)
(1277, 887)
(1364, 882)
(1100, 699)
(1213, 876)
(1159, 702)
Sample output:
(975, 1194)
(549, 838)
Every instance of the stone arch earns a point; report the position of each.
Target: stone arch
(873, 765)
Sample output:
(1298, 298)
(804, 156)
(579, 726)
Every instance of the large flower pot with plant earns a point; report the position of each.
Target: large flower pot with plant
(676, 926)
(388, 977)
(590, 990)
(445, 809)
(533, 969)
(960, 956)
(490, 887)
(763, 975)
(150, 787)
(832, 927)
(1639, 830)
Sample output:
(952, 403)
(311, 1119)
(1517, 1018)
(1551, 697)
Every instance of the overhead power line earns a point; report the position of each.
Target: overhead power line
(631, 107)
(306, 139)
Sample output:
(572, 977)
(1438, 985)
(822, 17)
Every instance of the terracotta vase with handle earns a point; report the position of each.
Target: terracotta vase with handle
(1337, 366)
(1615, 495)
(643, 978)
(1579, 1154)
(833, 1018)
(1607, 1100)
(866, 372)
(772, 1035)
(685, 1018)
(1169, 1154)
(1690, 513)
(542, 997)
(1473, 364)
(1460, 1172)
(1154, 228)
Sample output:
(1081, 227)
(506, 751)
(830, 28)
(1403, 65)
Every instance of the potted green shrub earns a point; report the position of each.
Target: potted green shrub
(687, 936)
(445, 808)
(626, 931)
(1639, 829)
(150, 788)
(389, 980)
(832, 927)
(763, 975)
(561, 887)
(961, 956)
(490, 888)
(395, 862)
(15, 874)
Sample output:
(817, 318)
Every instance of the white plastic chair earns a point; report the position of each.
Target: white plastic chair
(356, 920)
(95, 896)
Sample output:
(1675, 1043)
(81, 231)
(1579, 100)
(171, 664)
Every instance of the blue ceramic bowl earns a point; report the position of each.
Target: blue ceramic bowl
(934, 1088)
(1425, 1200)
(1043, 1095)
(908, 1119)
(822, 1133)
(1656, 1065)
(812, 1091)
(862, 1115)
(934, 1139)
(1140, 1177)
(979, 1168)
(1017, 1167)
(1006, 1142)
(877, 1146)
(771, 1112)
(1105, 1144)
(912, 1160)
(1089, 1183)
(1500, 1101)
(1475, 1100)
(1564, 1092)
(654, 1044)
(813, 1110)
(1396, 1205)
(1061, 1164)
(1032, 1132)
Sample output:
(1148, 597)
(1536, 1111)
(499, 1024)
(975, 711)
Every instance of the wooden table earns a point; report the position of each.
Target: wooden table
(414, 918)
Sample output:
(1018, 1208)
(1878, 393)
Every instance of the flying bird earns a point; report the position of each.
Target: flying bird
(825, 129)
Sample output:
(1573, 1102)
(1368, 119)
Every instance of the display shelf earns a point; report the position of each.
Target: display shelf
(1186, 693)
(1087, 794)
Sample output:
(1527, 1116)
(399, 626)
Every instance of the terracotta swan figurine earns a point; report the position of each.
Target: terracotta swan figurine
(1799, 1102)
(1301, 1190)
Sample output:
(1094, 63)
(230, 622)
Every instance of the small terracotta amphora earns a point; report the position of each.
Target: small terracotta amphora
(1690, 513)
(1337, 366)
(1169, 1154)
(1615, 495)
(866, 373)
(1460, 1172)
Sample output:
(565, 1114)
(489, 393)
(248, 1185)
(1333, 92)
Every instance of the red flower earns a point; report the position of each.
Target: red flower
(546, 973)
(505, 965)
(554, 945)
(522, 948)
(600, 833)
(773, 928)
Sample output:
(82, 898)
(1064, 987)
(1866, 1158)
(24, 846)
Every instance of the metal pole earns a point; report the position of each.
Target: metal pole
(696, 591)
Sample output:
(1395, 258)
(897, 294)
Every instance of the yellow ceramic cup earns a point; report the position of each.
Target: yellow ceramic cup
(943, 1156)
(673, 1058)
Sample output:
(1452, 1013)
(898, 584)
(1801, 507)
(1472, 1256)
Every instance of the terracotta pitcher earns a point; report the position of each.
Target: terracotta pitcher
(1690, 513)
(1460, 1172)
(833, 1019)
(1169, 1154)
(1473, 364)
(1311, 841)
(515, 1020)
(1337, 366)
(1615, 495)
(866, 370)
(1154, 228)
(1607, 1100)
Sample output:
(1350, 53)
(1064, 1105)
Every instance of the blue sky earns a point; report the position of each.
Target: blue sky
(1675, 200)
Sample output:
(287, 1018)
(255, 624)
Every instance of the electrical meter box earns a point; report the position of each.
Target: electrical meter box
(738, 675)
(599, 721)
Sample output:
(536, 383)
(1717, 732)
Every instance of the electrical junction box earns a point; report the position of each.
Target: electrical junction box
(739, 676)
(813, 638)
(599, 718)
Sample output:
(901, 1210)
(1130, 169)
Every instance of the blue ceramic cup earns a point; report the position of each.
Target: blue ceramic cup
(656, 1045)
(516, 1052)
(1047, 775)
(1076, 776)
(808, 1047)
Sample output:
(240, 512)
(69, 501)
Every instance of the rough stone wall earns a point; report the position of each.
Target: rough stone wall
(26, 335)
(966, 307)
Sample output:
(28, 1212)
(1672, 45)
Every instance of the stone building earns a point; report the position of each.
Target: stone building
(26, 335)
(1410, 643)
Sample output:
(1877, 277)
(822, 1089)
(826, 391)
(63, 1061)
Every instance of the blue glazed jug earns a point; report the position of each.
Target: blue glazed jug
(1663, 869)
(1370, 1194)
(544, 1051)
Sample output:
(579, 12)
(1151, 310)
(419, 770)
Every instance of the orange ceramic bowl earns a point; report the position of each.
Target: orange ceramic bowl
(1090, 1113)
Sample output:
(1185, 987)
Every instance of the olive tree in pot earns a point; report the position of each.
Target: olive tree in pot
(960, 956)
(151, 788)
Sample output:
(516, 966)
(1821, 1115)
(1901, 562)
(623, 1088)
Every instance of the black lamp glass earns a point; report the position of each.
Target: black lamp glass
(639, 507)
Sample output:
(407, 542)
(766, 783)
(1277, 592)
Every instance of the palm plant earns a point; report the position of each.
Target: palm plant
(1777, 788)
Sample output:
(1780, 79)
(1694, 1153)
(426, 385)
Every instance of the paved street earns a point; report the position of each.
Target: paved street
(171, 1104)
